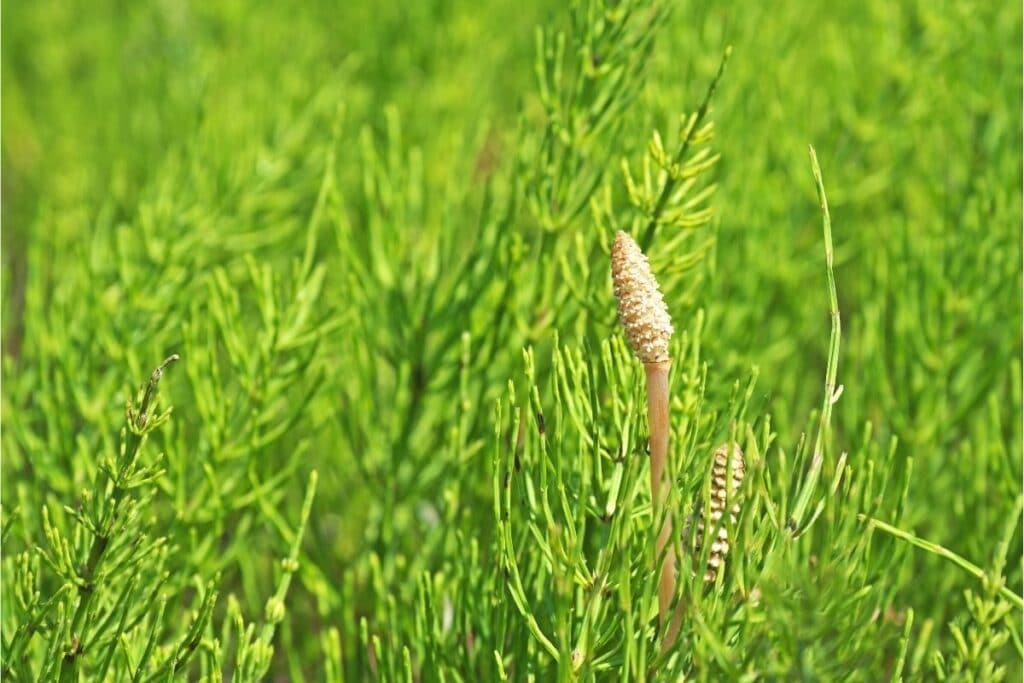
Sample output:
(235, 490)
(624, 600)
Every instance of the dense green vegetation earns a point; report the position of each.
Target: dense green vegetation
(407, 439)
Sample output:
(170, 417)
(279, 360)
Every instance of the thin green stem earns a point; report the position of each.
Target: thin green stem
(684, 146)
(817, 458)
(936, 549)
(100, 542)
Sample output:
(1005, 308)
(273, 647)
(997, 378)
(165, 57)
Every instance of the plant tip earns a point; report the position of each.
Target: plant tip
(642, 309)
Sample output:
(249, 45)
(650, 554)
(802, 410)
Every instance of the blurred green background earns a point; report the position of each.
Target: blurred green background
(146, 145)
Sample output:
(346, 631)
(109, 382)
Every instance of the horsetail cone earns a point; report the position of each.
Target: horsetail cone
(645, 319)
(721, 491)
(642, 309)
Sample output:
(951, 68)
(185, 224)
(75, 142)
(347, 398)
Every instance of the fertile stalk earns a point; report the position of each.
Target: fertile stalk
(727, 472)
(648, 327)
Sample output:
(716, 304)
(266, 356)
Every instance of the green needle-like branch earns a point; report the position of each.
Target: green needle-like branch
(138, 424)
(684, 146)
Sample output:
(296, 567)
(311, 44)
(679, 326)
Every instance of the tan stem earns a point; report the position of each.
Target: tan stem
(657, 418)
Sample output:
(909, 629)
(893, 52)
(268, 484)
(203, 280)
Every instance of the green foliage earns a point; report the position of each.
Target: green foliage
(376, 240)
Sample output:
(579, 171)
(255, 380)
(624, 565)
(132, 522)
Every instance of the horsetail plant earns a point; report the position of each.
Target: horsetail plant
(351, 232)
(110, 578)
(104, 566)
(727, 472)
(648, 326)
